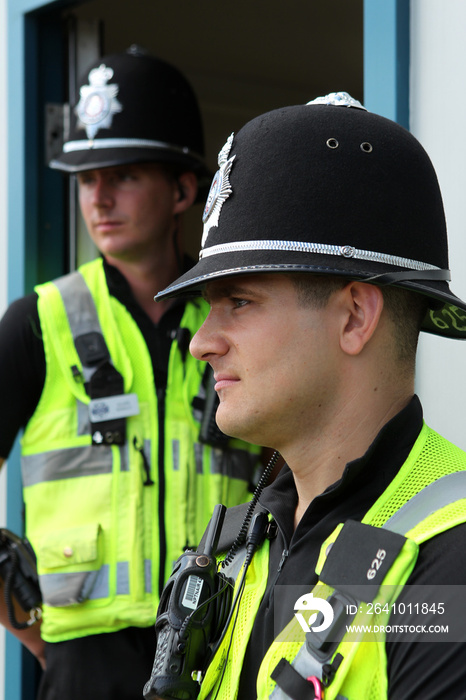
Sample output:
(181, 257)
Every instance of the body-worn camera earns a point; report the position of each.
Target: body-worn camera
(192, 613)
(19, 573)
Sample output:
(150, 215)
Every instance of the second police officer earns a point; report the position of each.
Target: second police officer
(116, 478)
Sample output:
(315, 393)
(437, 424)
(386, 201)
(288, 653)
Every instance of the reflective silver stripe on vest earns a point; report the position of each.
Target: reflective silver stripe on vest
(101, 587)
(122, 578)
(124, 456)
(70, 463)
(176, 454)
(84, 424)
(80, 309)
(198, 453)
(63, 589)
(438, 494)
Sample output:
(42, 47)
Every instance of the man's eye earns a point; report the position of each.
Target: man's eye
(239, 302)
(85, 179)
(126, 176)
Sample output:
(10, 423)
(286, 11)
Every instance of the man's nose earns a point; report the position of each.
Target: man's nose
(208, 342)
(102, 193)
(197, 344)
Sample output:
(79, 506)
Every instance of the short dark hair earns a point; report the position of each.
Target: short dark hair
(405, 309)
(316, 290)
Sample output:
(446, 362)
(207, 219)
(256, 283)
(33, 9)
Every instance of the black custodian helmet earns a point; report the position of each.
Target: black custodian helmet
(329, 188)
(134, 108)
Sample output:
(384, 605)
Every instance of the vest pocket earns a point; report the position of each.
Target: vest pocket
(70, 566)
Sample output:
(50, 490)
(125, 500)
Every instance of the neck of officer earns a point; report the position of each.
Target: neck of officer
(368, 400)
(148, 274)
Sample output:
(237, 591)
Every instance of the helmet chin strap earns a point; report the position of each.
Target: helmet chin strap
(386, 278)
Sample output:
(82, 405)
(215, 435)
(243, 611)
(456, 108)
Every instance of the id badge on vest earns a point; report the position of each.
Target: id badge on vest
(109, 406)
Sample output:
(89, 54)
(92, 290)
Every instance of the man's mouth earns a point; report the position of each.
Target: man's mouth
(224, 380)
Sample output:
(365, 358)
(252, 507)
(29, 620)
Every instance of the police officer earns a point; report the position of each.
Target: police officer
(324, 253)
(121, 466)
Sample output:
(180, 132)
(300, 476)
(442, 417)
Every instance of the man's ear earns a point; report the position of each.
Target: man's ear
(363, 304)
(186, 192)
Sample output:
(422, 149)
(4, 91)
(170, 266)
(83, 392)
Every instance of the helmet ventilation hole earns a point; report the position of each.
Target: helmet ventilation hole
(366, 147)
(332, 143)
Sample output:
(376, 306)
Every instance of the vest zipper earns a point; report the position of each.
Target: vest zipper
(281, 563)
(283, 559)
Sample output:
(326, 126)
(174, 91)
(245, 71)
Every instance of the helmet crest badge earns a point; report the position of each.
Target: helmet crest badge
(220, 190)
(338, 99)
(98, 102)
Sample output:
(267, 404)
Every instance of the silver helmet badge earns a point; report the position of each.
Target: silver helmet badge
(219, 191)
(98, 102)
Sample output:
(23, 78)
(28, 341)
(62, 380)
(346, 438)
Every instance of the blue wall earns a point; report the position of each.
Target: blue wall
(24, 229)
(386, 58)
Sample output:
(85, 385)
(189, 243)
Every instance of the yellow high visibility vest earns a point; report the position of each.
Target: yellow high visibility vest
(427, 497)
(100, 534)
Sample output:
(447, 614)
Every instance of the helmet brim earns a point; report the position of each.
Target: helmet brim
(446, 317)
(93, 159)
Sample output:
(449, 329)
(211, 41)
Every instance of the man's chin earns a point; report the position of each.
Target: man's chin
(233, 427)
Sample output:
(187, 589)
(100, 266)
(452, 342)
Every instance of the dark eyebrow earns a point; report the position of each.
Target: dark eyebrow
(226, 290)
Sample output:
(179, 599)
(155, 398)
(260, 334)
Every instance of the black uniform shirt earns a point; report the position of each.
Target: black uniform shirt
(22, 360)
(421, 671)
